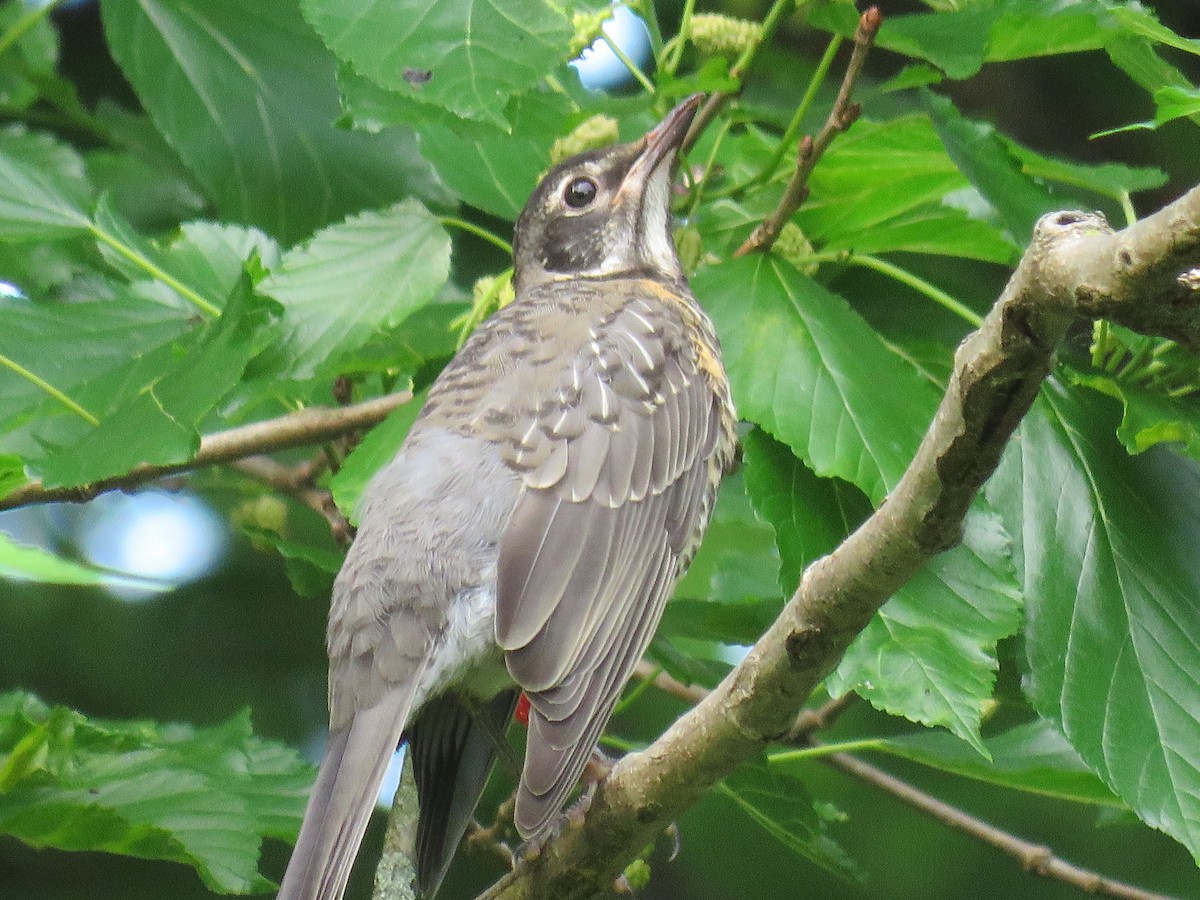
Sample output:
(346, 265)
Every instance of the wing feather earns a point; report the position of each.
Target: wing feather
(595, 544)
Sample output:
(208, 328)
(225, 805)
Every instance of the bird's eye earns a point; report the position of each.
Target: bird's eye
(579, 192)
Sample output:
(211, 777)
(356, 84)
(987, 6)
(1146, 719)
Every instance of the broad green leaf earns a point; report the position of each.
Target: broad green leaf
(930, 653)
(1109, 179)
(373, 452)
(1030, 28)
(1111, 574)
(353, 279)
(953, 41)
(497, 173)
(780, 805)
(983, 157)
(203, 259)
(43, 191)
(1033, 757)
(30, 58)
(809, 515)
(151, 199)
(1170, 103)
(468, 56)
(1140, 20)
(26, 563)
(245, 93)
(1151, 417)
(68, 345)
(882, 187)
(807, 368)
(160, 423)
(426, 337)
(205, 797)
(1139, 59)
(874, 173)
(933, 229)
(725, 623)
(737, 562)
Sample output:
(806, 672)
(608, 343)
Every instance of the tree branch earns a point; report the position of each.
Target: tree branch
(299, 429)
(841, 116)
(1076, 267)
(1036, 858)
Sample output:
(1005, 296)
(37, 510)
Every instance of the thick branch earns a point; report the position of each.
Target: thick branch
(309, 426)
(998, 371)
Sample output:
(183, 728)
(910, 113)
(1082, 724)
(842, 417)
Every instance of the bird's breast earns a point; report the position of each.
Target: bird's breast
(465, 656)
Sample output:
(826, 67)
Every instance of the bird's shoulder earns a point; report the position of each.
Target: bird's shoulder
(581, 343)
(589, 364)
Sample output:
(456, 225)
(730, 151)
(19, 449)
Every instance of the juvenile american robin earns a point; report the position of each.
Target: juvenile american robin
(531, 528)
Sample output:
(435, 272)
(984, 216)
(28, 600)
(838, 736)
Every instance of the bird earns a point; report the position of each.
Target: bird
(529, 531)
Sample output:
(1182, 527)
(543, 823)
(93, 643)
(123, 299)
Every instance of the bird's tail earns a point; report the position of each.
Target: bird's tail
(356, 758)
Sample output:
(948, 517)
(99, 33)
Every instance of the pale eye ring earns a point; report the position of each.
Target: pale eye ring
(580, 192)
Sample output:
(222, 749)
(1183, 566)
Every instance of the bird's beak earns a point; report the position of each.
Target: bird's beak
(658, 146)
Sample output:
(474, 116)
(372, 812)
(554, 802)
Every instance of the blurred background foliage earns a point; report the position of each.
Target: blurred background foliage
(236, 622)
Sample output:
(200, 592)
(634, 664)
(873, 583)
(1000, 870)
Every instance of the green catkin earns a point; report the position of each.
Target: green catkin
(598, 131)
(717, 35)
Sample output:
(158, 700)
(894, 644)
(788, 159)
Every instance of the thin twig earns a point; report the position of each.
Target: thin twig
(1036, 858)
(688, 693)
(841, 116)
(299, 429)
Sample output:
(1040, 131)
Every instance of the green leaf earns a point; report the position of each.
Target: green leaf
(43, 191)
(930, 653)
(22, 562)
(373, 452)
(12, 473)
(874, 173)
(953, 41)
(1170, 103)
(1108, 179)
(205, 797)
(311, 567)
(1033, 757)
(780, 805)
(809, 515)
(1111, 573)
(985, 159)
(1140, 20)
(353, 279)
(1151, 417)
(468, 56)
(1030, 28)
(204, 259)
(725, 623)
(497, 173)
(1138, 59)
(159, 424)
(31, 58)
(807, 368)
(245, 93)
(70, 344)
(737, 560)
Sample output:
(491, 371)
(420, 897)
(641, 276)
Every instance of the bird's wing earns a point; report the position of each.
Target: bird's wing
(617, 488)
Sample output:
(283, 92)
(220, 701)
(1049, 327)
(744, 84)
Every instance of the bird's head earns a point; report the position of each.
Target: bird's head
(605, 212)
